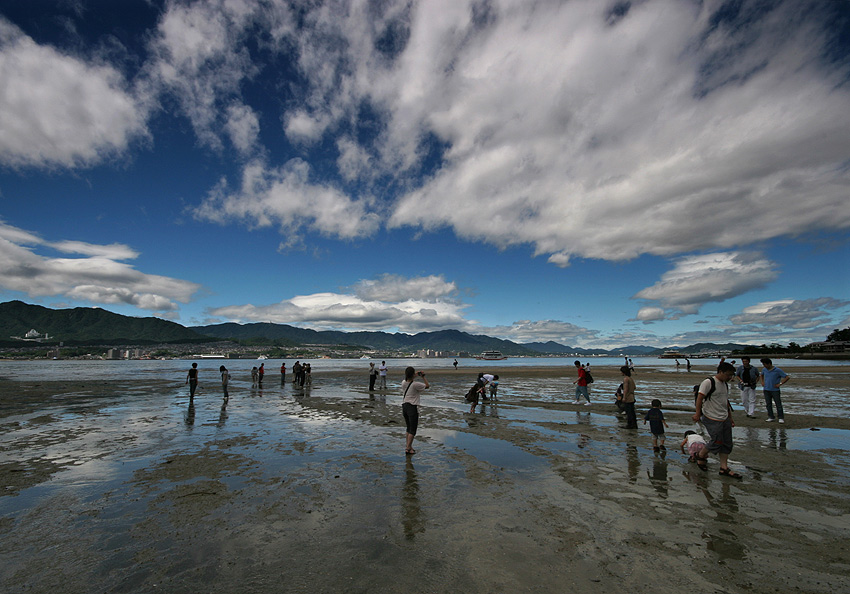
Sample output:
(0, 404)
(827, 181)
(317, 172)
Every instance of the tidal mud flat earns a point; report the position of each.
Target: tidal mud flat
(123, 486)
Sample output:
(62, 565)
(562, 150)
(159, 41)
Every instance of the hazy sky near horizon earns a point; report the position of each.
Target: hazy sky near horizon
(597, 173)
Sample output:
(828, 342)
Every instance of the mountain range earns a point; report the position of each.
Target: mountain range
(86, 325)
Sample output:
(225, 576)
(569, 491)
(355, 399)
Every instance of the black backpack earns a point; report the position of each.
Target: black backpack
(587, 377)
(713, 388)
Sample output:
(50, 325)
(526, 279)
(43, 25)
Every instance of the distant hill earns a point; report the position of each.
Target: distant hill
(443, 340)
(88, 325)
(554, 348)
(706, 347)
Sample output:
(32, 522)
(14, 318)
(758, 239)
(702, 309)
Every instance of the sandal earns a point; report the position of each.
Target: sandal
(410, 452)
(730, 473)
(702, 463)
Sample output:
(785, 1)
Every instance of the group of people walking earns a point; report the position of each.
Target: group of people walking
(302, 375)
(713, 408)
(712, 401)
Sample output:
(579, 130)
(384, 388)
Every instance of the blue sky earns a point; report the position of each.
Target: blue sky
(595, 173)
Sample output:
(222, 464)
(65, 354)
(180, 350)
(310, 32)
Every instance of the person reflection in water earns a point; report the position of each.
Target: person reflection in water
(412, 516)
(190, 414)
(222, 415)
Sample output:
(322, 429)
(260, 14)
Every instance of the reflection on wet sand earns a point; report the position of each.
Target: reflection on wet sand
(222, 415)
(412, 516)
(658, 476)
(718, 534)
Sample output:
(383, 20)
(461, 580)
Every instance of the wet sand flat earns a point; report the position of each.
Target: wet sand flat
(122, 486)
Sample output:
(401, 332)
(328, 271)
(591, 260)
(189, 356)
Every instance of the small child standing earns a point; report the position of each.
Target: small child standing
(692, 445)
(656, 425)
(494, 386)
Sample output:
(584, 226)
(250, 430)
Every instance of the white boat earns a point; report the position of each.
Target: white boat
(672, 355)
(491, 356)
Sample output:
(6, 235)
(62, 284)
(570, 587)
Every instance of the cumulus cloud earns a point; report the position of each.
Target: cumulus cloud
(524, 331)
(649, 134)
(243, 127)
(98, 277)
(286, 196)
(791, 313)
(60, 110)
(392, 287)
(650, 314)
(201, 60)
(389, 302)
(696, 280)
(661, 127)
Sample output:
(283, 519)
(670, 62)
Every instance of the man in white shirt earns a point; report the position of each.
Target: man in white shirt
(714, 411)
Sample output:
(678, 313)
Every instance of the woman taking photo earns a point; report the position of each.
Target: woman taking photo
(412, 389)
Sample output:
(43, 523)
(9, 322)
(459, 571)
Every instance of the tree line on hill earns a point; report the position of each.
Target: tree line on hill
(84, 326)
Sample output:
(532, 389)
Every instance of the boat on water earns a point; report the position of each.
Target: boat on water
(491, 356)
(672, 355)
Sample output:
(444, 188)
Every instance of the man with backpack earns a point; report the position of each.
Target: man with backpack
(748, 377)
(714, 411)
(581, 384)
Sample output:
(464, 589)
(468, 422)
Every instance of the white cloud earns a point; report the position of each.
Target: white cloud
(791, 313)
(664, 130)
(243, 127)
(398, 308)
(696, 280)
(354, 162)
(660, 134)
(524, 331)
(59, 110)
(650, 314)
(201, 60)
(98, 278)
(286, 196)
(391, 287)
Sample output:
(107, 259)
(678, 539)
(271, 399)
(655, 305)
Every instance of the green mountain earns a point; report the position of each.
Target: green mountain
(444, 340)
(87, 325)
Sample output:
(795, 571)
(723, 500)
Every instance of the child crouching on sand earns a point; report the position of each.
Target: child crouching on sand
(693, 445)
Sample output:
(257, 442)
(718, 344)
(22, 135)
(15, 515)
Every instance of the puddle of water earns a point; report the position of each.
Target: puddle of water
(494, 451)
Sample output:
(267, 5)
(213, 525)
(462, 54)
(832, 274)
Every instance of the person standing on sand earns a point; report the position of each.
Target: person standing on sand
(282, 373)
(771, 378)
(261, 372)
(225, 379)
(581, 384)
(455, 364)
(412, 392)
(628, 399)
(192, 380)
(714, 411)
(749, 379)
(373, 375)
(655, 416)
(296, 372)
(254, 375)
(382, 370)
